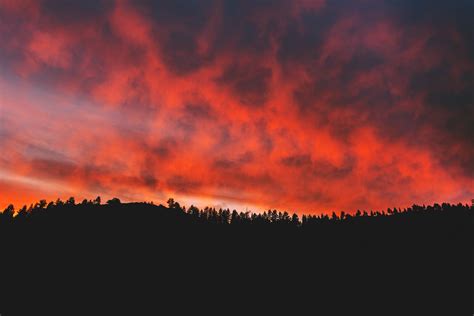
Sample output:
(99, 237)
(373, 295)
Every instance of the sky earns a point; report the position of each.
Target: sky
(306, 106)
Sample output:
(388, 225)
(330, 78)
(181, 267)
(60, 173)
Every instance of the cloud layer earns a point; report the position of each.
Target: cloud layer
(301, 105)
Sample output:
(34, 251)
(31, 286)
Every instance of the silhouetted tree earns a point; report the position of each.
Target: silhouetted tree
(295, 220)
(71, 201)
(8, 213)
(97, 201)
(114, 201)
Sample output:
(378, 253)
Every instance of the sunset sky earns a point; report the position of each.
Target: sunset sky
(302, 105)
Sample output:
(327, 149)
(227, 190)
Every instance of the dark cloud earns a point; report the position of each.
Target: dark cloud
(430, 11)
(238, 162)
(246, 157)
(381, 180)
(149, 179)
(164, 149)
(315, 196)
(447, 100)
(225, 164)
(302, 42)
(249, 26)
(199, 110)
(183, 185)
(320, 168)
(323, 168)
(180, 53)
(248, 84)
(70, 11)
(297, 160)
(247, 180)
(235, 163)
(185, 14)
(264, 136)
(55, 169)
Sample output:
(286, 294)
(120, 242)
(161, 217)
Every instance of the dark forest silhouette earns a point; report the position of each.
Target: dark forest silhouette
(413, 261)
(59, 210)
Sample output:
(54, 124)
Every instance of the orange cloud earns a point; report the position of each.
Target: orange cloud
(307, 106)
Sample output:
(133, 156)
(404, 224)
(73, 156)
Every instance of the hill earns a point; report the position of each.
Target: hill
(96, 258)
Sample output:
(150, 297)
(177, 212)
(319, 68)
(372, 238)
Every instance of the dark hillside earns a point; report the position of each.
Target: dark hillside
(67, 257)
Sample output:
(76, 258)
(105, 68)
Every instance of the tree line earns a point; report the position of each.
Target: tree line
(211, 215)
(416, 259)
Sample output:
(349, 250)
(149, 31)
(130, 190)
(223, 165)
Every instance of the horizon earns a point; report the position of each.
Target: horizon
(114, 201)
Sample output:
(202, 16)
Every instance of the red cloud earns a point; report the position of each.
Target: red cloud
(308, 106)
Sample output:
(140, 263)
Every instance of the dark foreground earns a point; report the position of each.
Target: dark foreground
(136, 259)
